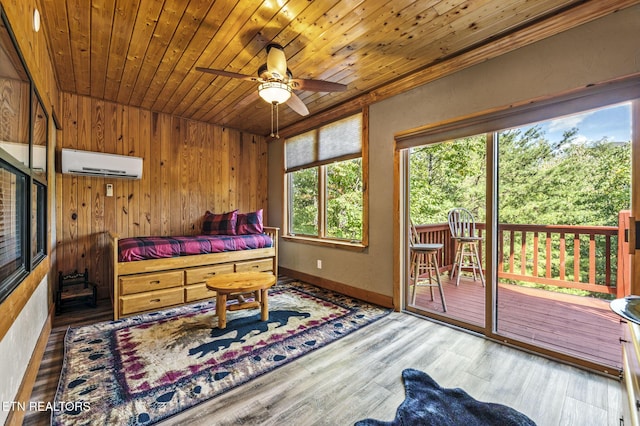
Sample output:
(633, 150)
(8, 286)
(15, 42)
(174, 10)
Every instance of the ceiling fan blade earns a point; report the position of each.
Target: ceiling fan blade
(296, 104)
(227, 74)
(276, 61)
(316, 85)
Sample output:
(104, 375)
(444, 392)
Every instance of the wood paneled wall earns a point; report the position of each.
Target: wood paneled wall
(189, 167)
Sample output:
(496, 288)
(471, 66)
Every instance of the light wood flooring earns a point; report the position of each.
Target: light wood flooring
(359, 376)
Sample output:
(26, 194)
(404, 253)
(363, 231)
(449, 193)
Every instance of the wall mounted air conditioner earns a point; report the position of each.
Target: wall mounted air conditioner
(87, 163)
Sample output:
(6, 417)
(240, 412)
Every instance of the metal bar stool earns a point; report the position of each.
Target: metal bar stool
(424, 260)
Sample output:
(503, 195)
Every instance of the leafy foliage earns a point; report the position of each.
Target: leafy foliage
(344, 204)
(447, 175)
(539, 181)
(304, 201)
(344, 199)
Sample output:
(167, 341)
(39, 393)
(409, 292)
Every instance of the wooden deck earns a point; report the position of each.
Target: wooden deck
(584, 327)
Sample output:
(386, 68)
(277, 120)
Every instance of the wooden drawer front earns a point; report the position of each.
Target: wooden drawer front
(261, 265)
(150, 282)
(197, 292)
(151, 301)
(200, 275)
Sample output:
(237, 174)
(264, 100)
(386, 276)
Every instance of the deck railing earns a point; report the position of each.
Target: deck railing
(591, 258)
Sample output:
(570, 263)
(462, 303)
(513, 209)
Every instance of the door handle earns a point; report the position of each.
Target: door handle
(633, 229)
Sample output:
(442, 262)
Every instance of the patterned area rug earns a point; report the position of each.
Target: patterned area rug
(426, 403)
(139, 370)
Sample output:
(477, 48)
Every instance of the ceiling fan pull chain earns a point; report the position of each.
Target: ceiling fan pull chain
(272, 135)
(277, 121)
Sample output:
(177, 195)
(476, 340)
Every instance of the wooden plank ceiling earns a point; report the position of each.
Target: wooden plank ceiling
(144, 52)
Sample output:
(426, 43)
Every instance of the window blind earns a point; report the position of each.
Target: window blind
(10, 223)
(336, 141)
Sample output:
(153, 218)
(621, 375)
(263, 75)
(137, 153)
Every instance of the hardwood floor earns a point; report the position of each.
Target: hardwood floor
(359, 376)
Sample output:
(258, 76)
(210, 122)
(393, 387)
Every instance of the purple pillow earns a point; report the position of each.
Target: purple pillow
(220, 224)
(250, 223)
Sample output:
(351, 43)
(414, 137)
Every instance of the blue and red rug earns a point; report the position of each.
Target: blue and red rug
(140, 370)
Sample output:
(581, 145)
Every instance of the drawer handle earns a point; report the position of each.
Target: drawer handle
(212, 274)
(154, 282)
(154, 300)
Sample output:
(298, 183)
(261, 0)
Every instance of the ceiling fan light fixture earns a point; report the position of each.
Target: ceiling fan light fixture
(274, 92)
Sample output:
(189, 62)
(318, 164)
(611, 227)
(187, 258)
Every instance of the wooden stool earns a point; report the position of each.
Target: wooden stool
(424, 257)
(237, 284)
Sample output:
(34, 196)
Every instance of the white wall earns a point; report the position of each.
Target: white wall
(18, 344)
(597, 51)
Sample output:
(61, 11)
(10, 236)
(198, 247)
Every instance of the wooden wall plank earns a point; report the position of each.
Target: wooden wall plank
(95, 261)
(133, 193)
(122, 187)
(144, 146)
(110, 146)
(67, 237)
(217, 168)
(175, 171)
(225, 185)
(199, 177)
(86, 133)
(155, 173)
(209, 171)
(165, 167)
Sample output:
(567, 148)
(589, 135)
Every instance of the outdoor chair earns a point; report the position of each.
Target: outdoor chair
(463, 231)
(424, 261)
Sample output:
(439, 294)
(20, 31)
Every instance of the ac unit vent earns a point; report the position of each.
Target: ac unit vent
(87, 163)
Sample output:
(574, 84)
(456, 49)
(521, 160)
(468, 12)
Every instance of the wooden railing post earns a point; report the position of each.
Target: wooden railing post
(623, 287)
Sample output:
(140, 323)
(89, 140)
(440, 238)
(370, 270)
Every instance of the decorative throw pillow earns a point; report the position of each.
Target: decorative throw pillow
(250, 223)
(220, 224)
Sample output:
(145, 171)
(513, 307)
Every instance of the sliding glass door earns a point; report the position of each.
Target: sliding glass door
(551, 201)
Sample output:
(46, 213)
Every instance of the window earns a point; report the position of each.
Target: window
(12, 236)
(38, 222)
(325, 178)
(23, 167)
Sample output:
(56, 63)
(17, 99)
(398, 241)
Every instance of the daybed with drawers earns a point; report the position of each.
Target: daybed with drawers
(152, 273)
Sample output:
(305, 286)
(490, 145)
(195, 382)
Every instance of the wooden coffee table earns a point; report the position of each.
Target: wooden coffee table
(237, 284)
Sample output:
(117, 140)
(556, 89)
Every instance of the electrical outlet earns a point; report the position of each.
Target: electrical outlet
(319, 264)
(109, 190)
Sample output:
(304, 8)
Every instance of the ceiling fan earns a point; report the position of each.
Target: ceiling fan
(276, 83)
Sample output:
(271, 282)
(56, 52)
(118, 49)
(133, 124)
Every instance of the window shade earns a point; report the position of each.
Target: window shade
(11, 227)
(336, 141)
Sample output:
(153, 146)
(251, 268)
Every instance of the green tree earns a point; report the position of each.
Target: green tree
(447, 175)
(304, 199)
(344, 199)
